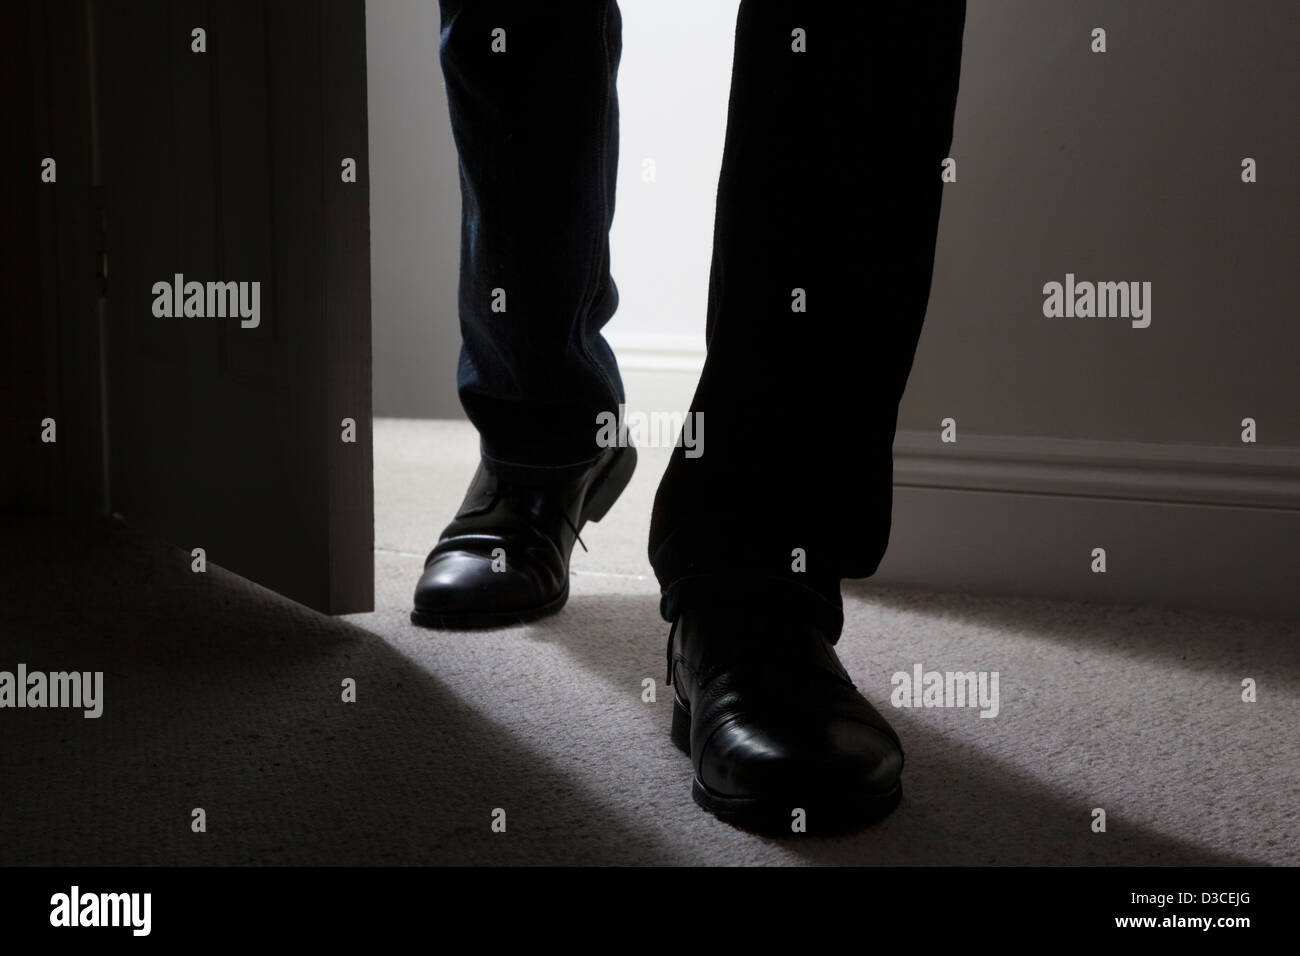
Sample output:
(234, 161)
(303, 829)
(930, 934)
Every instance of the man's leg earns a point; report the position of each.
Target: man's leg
(828, 206)
(531, 94)
(534, 111)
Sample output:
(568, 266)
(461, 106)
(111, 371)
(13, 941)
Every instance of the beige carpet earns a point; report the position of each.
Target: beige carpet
(223, 696)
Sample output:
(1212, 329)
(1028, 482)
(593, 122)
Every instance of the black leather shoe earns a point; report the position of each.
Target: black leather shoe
(773, 724)
(505, 557)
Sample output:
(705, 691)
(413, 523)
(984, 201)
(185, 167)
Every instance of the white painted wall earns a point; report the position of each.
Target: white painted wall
(673, 86)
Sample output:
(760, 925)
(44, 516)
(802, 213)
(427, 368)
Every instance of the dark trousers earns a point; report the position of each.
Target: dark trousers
(827, 212)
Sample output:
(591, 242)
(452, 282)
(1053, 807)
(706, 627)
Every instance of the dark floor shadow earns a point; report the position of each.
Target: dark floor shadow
(224, 696)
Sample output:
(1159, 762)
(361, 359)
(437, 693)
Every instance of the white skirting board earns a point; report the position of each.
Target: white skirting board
(666, 352)
(1209, 527)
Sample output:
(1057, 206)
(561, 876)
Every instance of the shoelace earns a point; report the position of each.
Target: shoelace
(504, 491)
(672, 631)
(564, 513)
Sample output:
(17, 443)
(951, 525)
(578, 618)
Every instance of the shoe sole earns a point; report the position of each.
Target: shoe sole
(486, 620)
(773, 813)
(606, 488)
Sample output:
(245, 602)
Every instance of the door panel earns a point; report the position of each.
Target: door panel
(224, 166)
(50, 322)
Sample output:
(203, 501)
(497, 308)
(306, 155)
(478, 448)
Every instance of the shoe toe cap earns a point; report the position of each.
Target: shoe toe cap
(465, 582)
(833, 759)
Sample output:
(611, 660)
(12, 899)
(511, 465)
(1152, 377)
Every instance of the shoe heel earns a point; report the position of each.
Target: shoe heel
(681, 732)
(610, 485)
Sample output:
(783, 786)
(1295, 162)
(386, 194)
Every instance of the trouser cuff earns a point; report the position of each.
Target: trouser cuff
(816, 601)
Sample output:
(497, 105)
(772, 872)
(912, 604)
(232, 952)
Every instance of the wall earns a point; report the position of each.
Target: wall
(1115, 166)
(414, 215)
